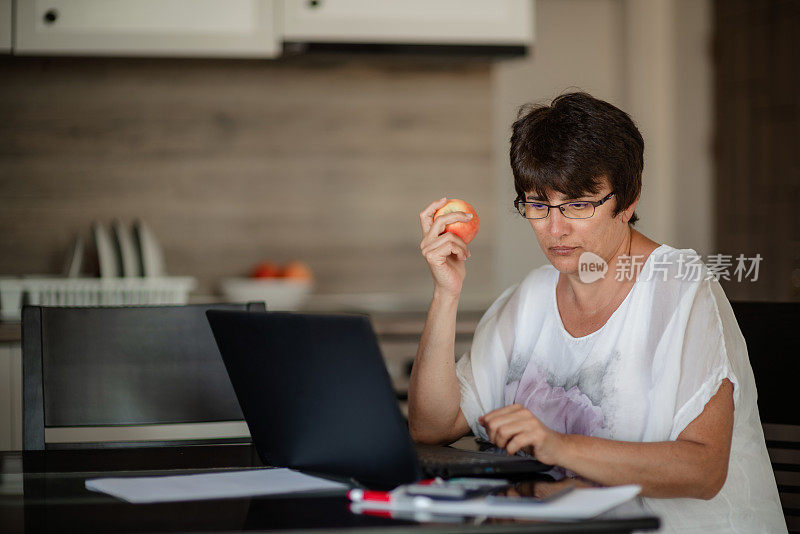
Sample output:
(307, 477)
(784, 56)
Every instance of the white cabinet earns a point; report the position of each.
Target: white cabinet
(468, 22)
(254, 28)
(208, 28)
(5, 26)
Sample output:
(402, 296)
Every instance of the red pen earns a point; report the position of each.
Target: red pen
(378, 513)
(360, 495)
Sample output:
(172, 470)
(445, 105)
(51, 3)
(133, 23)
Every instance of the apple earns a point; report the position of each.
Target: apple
(266, 269)
(465, 230)
(297, 270)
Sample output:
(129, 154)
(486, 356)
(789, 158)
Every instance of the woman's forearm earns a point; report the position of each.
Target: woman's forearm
(433, 394)
(694, 465)
(664, 469)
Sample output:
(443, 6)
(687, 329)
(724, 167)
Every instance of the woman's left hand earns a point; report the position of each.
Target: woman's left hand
(515, 428)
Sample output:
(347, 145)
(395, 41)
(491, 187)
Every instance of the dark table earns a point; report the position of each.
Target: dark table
(42, 491)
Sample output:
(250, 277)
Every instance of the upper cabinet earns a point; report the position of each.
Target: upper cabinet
(5, 26)
(449, 22)
(255, 28)
(207, 28)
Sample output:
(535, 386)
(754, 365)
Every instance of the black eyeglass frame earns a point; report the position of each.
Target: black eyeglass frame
(519, 202)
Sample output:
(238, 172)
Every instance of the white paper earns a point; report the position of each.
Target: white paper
(581, 503)
(224, 485)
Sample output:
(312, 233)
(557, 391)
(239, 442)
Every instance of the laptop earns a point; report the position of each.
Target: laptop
(317, 397)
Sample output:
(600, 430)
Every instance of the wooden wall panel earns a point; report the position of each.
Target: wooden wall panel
(757, 146)
(231, 162)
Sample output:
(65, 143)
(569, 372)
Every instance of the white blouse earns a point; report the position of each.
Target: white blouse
(643, 376)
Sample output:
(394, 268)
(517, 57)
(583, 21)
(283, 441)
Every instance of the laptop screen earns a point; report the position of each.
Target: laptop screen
(316, 395)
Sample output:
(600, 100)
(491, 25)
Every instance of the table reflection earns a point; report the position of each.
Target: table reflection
(44, 491)
(542, 488)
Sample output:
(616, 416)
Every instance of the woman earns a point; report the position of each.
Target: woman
(638, 377)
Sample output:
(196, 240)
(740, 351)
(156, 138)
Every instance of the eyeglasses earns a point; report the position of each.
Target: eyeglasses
(571, 210)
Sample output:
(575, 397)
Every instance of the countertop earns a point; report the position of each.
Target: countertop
(392, 315)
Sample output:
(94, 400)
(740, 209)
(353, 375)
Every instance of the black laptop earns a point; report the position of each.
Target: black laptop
(317, 397)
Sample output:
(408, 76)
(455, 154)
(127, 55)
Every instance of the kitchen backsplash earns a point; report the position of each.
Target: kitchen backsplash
(233, 162)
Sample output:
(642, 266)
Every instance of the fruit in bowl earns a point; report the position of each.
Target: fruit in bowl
(266, 269)
(282, 287)
(465, 230)
(297, 270)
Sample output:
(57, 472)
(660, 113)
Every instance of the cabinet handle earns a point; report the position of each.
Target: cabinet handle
(50, 16)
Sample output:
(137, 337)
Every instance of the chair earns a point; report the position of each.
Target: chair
(772, 333)
(132, 376)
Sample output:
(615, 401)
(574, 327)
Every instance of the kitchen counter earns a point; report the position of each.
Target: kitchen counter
(392, 315)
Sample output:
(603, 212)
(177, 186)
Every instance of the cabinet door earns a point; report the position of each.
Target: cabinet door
(493, 22)
(10, 397)
(222, 28)
(5, 26)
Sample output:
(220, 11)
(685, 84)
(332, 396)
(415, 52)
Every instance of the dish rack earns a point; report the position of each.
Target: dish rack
(91, 292)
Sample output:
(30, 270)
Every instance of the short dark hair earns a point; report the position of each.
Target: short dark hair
(571, 144)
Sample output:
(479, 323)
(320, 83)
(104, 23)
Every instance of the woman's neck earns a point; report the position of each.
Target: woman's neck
(594, 298)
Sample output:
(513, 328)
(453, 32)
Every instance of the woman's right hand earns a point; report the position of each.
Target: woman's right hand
(444, 252)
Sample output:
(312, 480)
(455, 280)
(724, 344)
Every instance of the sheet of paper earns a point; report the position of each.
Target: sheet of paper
(581, 503)
(223, 485)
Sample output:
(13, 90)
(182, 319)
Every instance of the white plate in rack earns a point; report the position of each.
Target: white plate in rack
(74, 263)
(128, 252)
(149, 250)
(106, 255)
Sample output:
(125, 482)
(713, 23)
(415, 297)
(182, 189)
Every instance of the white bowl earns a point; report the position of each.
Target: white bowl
(279, 294)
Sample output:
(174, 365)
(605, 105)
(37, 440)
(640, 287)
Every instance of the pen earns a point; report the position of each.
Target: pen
(359, 495)
(382, 498)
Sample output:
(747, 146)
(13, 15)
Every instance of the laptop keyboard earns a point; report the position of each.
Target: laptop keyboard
(433, 455)
(450, 462)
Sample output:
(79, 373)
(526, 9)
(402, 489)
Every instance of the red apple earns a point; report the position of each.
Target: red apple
(465, 230)
(266, 269)
(297, 270)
